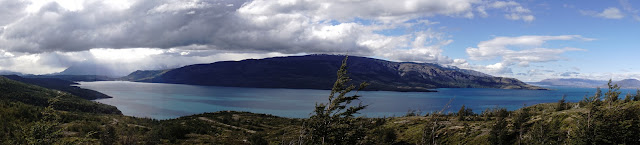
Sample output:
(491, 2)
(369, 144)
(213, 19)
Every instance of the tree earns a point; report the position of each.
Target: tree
(108, 135)
(547, 130)
(596, 97)
(628, 98)
(383, 135)
(615, 124)
(520, 118)
(585, 132)
(334, 122)
(45, 131)
(612, 94)
(499, 133)
(637, 96)
(430, 131)
(561, 103)
(486, 114)
(463, 112)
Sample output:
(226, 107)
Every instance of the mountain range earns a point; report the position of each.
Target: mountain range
(108, 69)
(319, 72)
(73, 78)
(92, 68)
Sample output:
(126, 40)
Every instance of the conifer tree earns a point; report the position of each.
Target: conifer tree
(519, 120)
(499, 133)
(47, 130)
(461, 113)
(598, 95)
(612, 94)
(562, 105)
(334, 122)
(628, 98)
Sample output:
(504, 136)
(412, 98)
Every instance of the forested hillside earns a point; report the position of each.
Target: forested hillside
(62, 85)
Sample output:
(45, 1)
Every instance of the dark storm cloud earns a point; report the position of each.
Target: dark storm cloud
(54, 28)
(11, 10)
(233, 25)
(198, 29)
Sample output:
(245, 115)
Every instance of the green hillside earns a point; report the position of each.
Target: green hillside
(14, 91)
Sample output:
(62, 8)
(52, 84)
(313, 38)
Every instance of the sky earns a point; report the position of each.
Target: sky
(529, 40)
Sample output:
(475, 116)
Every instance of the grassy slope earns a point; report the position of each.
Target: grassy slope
(22, 107)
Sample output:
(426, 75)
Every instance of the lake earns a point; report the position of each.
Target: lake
(167, 101)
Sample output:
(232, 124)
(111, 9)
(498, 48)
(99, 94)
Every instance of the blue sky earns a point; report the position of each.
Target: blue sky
(530, 40)
(613, 50)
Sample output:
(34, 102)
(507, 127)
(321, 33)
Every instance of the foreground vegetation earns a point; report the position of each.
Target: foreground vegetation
(34, 115)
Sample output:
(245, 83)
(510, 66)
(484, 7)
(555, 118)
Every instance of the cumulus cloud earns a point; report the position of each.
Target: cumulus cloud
(11, 10)
(498, 47)
(514, 10)
(569, 74)
(36, 63)
(264, 25)
(425, 47)
(382, 10)
(209, 27)
(608, 13)
(528, 51)
(118, 62)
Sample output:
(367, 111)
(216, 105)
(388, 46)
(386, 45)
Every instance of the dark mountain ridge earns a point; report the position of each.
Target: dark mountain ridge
(318, 72)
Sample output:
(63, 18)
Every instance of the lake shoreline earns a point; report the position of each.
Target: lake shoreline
(168, 101)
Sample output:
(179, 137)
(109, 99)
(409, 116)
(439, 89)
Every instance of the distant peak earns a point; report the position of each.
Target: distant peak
(630, 80)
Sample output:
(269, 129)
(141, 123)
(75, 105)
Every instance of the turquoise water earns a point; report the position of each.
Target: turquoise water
(166, 101)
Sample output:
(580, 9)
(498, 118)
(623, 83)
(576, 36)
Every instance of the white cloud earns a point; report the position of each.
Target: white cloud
(118, 62)
(608, 13)
(499, 46)
(177, 6)
(425, 47)
(285, 26)
(626, 5)
(520, 51)
(135, 54)
(515, 11)
(35, 63)
(381, 10)
(611, 13)
(237, 26)
(514, 16)
(569, 74)
(498, 68)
